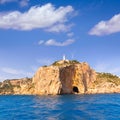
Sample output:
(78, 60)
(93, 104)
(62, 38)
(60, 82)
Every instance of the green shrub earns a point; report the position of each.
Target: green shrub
(107, 77)
(74, 62)
(45, 66)
(56, 63)
(6, 87)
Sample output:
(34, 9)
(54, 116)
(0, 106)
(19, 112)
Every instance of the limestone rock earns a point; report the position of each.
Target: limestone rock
(105, 83)
(47, 81)
(17, 86)
(78, 76)
(63, 78)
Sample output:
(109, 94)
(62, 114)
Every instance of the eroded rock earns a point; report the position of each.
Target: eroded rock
(63, 78)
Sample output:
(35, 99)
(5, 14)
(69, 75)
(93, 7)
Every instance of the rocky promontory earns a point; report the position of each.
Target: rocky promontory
(63, 77)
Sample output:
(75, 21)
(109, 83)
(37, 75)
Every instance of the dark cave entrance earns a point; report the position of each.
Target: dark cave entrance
(75, 89)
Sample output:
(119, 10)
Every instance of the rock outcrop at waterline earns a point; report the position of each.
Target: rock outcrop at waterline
(17, 86)
(105, 83)
(63, 77)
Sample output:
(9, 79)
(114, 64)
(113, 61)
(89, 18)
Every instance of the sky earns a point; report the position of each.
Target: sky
(34, 33)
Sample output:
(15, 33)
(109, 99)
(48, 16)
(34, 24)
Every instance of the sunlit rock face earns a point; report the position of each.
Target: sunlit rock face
(47, 81)
(64, 77)
(77, 78)
(17, 86)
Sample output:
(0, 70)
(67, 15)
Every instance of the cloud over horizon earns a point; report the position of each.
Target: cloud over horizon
(7, 1)
(107, 68)
(52, 42)
(44, 61)
(106, 27)
(44, 17)
(59, 28)
(13, 71)
(22, 3)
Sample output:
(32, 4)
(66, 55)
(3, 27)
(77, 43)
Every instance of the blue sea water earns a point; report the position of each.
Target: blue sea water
(61, 107)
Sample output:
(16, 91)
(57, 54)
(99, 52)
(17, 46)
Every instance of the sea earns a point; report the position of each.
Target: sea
(60, 107)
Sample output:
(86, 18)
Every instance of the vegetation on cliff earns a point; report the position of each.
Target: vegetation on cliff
(107, 77)
(6, 87)
(65, 62)
(61, 78)
(19, 85)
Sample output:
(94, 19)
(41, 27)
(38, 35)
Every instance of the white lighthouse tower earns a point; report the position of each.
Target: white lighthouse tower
(64, 58)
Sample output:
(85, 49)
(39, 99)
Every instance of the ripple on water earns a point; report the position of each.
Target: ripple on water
(61, 107)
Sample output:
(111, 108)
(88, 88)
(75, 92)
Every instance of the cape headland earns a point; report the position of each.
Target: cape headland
(63, 77)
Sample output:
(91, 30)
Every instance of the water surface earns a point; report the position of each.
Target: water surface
(61, 107)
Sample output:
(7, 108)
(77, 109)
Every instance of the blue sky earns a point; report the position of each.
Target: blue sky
(39, 32)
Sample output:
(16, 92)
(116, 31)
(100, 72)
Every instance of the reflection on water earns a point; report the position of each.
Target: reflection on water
(61, 107)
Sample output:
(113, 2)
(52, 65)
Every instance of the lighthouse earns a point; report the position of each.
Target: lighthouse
(64, 58)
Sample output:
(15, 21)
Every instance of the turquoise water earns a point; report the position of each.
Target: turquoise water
(61, 107)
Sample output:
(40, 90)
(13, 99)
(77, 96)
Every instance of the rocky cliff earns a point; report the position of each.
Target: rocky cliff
(105, 83)
(63, 77)
(17, 86)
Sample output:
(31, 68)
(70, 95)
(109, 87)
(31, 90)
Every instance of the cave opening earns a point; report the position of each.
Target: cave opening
(75, 89)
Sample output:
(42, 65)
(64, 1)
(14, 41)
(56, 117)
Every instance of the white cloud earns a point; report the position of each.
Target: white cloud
(13, 71)
(44, 17)
(53, 42)
(24, 3)
(45, 61)
(59, 28)
(40, 42)
(70, 34)
(2, 78)
(107, 27)
(108, 68)
(7, 1)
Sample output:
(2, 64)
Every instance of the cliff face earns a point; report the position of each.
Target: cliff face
(77, 78)
(64, 78)
(17, 86)
(105, 83)
(47, 81)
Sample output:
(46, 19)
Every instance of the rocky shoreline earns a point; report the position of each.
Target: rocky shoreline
(63, 77)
